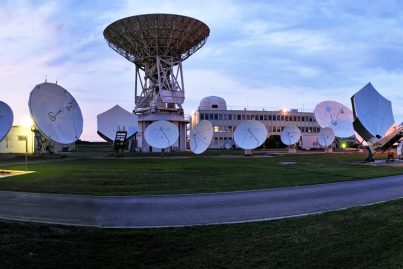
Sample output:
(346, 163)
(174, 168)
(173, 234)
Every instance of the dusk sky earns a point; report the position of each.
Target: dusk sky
(270, 54)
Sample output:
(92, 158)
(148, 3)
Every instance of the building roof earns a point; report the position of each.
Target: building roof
(213, 103)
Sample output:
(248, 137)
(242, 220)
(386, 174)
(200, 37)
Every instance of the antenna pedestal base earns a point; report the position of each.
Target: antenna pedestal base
(292, 150)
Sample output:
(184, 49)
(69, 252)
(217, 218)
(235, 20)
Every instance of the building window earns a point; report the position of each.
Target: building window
(247, 117)
(270, 117)
(201, 116)
(229, 116)
(216, 129)
(215, 117)
(214, 106)
(243, 116)
(238, 117)
(219, 116)
(225, 116)
(264, 117)
(278, 117)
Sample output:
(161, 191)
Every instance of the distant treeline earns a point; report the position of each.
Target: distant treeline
(82, 142)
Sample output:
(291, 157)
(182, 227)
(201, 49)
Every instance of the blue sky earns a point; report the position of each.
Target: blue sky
(271, 54)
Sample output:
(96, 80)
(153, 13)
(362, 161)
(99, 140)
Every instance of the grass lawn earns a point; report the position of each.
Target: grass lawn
(366, 237)
(190, 174)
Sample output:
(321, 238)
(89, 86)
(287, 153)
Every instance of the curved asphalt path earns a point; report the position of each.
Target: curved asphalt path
(197, 209)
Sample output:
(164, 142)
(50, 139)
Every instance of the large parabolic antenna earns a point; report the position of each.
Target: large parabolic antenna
(157, 44)
(200, 137)
(290, 135)
(250, 134)
(116, 119)
(373, 114)
(6, 119)
(336, 116)
(161, 134)
(55, 113)
(326, 137)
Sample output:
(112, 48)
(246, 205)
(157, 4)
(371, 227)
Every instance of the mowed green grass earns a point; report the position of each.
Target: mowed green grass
(365, 237)
(195, 174)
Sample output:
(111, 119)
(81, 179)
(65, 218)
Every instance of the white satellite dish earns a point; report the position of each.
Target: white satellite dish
(200, 137)
(227, 145)
(161, 134)
(336, 116)
(290, 135)
(6, 119)
(116, 119)
(250, 134)
(56, 113)
(399, 149)
(372, 113)
(326, 137)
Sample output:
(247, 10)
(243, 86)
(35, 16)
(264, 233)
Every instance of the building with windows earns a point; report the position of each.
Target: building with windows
(225, 121)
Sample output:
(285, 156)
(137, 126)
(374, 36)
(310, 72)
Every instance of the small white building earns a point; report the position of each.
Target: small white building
(18, 140)
(22, 140)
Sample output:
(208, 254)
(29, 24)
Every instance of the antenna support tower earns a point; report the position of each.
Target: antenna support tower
(158, 44)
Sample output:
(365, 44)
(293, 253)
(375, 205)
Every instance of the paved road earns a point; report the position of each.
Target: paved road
(198, 209)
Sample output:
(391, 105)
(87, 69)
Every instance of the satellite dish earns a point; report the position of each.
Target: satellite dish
(227, 145)
(373, 114)
(6, 119)
(336, 116)
(250, 134)
(326, 137)
(399, 149)
(290, 135)
(116, 119)
(161, 134)
(200, 137)
(56, 113)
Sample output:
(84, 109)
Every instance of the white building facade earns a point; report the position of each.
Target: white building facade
(225, 121)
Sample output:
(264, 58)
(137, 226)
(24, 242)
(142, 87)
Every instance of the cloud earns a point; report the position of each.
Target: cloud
(258, 54)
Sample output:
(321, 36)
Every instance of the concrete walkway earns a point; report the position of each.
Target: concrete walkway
(197, 209)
